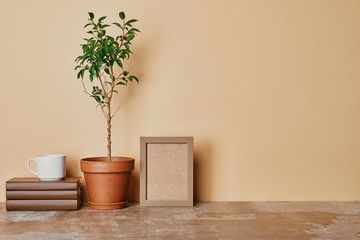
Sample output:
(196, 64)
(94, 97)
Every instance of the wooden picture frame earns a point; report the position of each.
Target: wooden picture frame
(166, 171)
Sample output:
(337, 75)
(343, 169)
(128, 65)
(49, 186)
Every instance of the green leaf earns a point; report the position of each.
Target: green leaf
(133, 77)
(119, 63)
(91, 15)
(107, 71)
(117, 24)
(78, 66)
(110, 38)
(91, 77)
(125, 73)
(97, 98)
(130, 37)
(87, 25)
(85, 48)
(98, 66)
(135, 29)
(101, 19)
(78, 58)
(82, 73)
(121, 83)
(127, 46)
(130, 21)
(92, 70)
(122, 15)
(105, 25)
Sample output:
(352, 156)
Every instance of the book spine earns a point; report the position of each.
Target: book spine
(19, 186)
(23, 195)
(49, 205)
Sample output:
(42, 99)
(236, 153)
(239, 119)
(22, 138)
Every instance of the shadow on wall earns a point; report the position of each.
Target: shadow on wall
(149, 44)
(202, 171)
(142, 57)
(126, 96)
(141, 62)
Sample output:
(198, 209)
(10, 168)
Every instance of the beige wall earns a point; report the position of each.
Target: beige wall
(269, 90)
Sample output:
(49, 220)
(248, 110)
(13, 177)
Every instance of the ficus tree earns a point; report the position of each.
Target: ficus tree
(102, 61)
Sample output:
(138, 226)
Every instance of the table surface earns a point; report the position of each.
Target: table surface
(205, 220)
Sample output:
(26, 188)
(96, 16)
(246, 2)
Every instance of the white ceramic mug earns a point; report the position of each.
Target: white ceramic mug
(50, 167)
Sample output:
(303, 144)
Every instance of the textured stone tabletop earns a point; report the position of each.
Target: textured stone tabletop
(206, 220)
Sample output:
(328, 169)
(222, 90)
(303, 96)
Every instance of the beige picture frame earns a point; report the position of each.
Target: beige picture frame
(166, 171)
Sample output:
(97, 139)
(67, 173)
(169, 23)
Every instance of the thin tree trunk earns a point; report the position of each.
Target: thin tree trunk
(109, 133)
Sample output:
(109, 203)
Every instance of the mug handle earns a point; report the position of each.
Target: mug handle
(28, 165)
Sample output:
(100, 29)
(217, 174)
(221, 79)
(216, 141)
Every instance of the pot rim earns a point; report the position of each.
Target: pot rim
(101, 165)
(104, 159)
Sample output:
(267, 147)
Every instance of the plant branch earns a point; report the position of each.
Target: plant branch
(117, 110)
(102, 85)
(112, 82)
(85, 88)
(104, 112)
(99, 104)
(106, 87)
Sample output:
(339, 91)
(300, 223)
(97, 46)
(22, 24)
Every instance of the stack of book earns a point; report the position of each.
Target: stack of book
(28, 194)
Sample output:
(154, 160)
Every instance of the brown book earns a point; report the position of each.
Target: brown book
(44, 204)
(15, 184)
(49, 194)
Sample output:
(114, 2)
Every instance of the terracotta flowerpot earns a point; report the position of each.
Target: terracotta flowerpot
(107, 182)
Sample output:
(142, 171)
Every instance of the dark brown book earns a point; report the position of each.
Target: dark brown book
(43, 205)
(58, 194)
(33, 184)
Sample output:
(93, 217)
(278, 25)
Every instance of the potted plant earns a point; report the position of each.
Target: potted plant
(107, 178)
